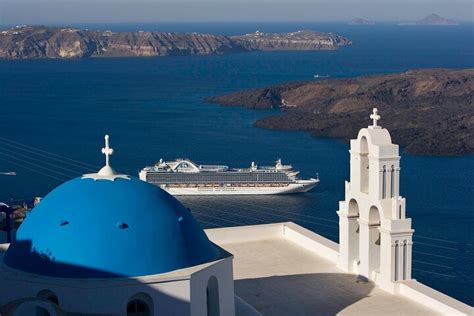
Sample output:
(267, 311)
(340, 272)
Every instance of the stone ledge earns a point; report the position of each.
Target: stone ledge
(431, 298)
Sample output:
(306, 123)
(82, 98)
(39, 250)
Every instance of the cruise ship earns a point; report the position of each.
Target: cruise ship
(185, 177)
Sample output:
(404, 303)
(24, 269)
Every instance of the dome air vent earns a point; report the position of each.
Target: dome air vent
(63, 223)
(122, 225)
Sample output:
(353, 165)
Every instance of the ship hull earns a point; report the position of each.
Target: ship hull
(302, 187)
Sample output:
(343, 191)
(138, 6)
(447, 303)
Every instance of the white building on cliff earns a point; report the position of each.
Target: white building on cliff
(128, 248)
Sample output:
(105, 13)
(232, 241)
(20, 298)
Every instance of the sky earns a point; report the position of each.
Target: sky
(149, 11)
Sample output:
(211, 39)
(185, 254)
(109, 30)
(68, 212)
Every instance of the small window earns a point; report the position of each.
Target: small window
(122, 225)
(49, 296)
(138, 308)
(41, 311)
(212, 297)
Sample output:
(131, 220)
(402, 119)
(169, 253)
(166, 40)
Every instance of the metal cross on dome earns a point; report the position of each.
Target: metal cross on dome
(375, 116)
(107, 151)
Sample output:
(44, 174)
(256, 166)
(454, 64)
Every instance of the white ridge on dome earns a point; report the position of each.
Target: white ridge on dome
(107, 172)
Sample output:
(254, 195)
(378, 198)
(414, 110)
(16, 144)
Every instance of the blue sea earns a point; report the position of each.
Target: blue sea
(153, 108)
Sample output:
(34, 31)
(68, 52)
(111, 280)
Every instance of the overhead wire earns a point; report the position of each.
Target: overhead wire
(433, 264)
(34, 149)
(437, 239)
(290, 213)
(55, 165)
(259, 220)
(435, 273)
(434, 255)
(68, 176)
(34, 170)
(283, 216)
(227, 213)
(333, 221)
(218, 218)
(436, 246)
(275, 213)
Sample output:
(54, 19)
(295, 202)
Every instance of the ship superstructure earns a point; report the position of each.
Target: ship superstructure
(185, 177)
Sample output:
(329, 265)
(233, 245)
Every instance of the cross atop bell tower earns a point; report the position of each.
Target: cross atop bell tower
(375, 117)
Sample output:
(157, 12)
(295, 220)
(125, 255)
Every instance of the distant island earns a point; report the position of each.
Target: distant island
(26, 42)
(429, 112)
(360, 21)
(432, 19)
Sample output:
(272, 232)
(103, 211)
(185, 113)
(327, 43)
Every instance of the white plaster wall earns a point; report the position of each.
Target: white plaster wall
(348, 246)
(107, 297)
(4, 247)
(223, 271)
(433, 299)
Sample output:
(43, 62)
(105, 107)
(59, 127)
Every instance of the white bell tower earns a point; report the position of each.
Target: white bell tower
(375, 237)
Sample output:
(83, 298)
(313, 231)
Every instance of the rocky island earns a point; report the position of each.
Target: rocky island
(432, 19)
(431, 111)
(360, 21)
(25, 42)
(299, 40)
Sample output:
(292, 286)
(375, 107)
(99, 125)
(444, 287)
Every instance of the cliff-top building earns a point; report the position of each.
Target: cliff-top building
(110, 244)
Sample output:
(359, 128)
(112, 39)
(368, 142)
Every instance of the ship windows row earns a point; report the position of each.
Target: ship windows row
(216, 178)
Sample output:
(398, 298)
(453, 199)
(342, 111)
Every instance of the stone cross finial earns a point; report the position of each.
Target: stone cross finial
(375, 117)
(107, 151)
(107, 172)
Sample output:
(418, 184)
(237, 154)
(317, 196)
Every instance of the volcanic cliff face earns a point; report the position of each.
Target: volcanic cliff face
(427, 111)
(45, 42)
(28, 42)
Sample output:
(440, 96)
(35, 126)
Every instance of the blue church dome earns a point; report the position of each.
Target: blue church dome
(103, 228)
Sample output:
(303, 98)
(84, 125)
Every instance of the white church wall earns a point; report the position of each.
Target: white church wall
(222, 270)
(101, 296)
(36, 307)
(4, 247)
(433, 299)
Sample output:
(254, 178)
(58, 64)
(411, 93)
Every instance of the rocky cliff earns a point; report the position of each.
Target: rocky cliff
(427, 111)
(300, 40)
(24, 42)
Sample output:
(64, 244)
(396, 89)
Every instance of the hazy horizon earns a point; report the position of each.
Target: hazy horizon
(147, 11)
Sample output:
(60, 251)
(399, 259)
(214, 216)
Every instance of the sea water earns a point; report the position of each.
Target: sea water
(153, 108)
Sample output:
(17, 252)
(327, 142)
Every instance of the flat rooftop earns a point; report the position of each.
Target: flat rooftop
(278, 273)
